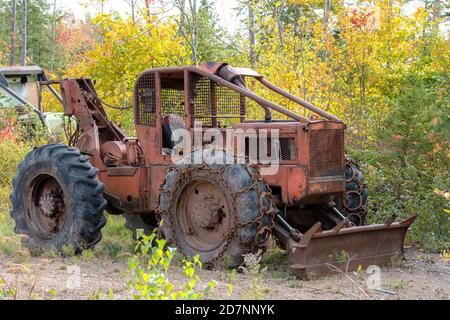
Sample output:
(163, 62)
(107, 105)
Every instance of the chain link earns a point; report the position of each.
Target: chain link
(361, 210)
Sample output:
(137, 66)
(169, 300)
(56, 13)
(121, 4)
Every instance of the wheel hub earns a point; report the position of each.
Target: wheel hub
(203, 215)
(45, 208)
(208, 214)
(51, 205)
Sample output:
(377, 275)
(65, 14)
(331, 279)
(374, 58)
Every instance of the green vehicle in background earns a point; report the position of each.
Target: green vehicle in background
(21, 90)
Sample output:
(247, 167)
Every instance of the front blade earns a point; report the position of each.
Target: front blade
(342, 250)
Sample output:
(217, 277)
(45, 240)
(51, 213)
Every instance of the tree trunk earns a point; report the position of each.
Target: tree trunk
(280, 23)
(182, 26)
(147, 7)
(194, 30)
(52, 60)
(23, 59)
(12, 52)
(251, 33)
(133, 10)
(436, 8)
(182, 15)
(326, 11)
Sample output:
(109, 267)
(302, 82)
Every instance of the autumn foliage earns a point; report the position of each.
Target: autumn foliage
(382, 69)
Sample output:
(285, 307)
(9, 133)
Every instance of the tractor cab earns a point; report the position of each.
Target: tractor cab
(21, 91)
(216, 96)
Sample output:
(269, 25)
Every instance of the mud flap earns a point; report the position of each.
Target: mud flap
(321, 253)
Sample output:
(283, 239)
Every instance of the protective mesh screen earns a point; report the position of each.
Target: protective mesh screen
(214, 105)
(145, 100)
(287, 148)
(172, 102)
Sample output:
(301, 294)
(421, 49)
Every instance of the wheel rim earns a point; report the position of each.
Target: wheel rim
(202, 216)
(45, 207)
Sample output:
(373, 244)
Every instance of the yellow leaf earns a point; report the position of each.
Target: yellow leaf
(446, 256)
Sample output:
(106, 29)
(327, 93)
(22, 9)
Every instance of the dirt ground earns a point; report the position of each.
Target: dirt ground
(422, 276)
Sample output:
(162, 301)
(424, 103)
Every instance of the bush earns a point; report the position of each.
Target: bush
(15, 143)
(16, 140)
(149, 272)
(407, 168)
(12, 152)
(408, 195)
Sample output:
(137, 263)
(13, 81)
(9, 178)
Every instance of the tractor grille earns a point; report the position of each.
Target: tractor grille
(326, 152)
(288, 150)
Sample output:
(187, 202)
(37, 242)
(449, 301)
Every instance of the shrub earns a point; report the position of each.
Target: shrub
(149, 273)
(407, 169)
(12, 152)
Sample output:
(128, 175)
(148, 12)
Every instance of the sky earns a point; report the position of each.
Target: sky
(225, 11)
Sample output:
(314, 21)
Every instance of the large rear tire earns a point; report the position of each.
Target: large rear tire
(57, 199)
(220, 211)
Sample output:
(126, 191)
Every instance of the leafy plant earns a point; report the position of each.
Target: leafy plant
(252, 268)
(149, 270)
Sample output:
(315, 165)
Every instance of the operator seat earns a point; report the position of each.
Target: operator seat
(170, 123)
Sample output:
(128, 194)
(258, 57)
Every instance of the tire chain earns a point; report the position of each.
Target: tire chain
(361, 210)
(183, 176)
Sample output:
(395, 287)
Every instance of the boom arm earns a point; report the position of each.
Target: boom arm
(81, 100)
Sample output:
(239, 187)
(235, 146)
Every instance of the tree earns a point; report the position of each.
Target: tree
(213, 42)
(38, 19)
(52, 59)
(251, 32)
(134, 6)
(127, 50)
(188, 25)
(24, 32)
(12, 50)
(326, 11)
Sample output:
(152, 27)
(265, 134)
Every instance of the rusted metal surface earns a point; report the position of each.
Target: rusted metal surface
(325, 252)
(201, 214)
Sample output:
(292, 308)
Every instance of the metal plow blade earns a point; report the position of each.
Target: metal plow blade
(346, 249)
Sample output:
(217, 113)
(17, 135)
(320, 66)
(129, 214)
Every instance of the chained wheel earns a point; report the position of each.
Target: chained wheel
(354, 202)
(57, 199)
(220, 211)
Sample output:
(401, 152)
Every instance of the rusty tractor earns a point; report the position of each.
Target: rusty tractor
(209, 201)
